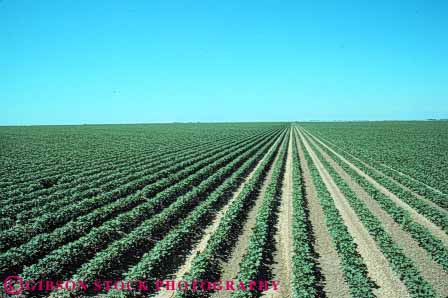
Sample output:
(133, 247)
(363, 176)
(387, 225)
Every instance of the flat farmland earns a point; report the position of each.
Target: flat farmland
(335, 209)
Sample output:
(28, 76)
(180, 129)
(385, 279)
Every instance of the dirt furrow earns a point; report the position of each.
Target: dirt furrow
(281, 268)
(377, 265)
(329, 261)
(430, 270)
(427, 201)
(230, 268)
(211, 228)
(412, 178)
(419, 218)
(419, 196)
(202, 244)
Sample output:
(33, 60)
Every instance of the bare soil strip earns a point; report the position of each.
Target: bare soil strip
(281, 269)
(385, 165)
(412, 178)
(329, 261)
(430, 270)
(419, 218)
(231, 268)
(202, 244)
(377, 265)
(419, 196)
(422, 198)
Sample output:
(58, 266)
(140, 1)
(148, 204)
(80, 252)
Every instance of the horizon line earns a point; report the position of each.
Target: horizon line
(224, 122)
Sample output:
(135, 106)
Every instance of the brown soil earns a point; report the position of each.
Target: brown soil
(430, 270)
(231, 268)
(429, 202)
(412, 178)
(334, 284)
(202, 244)
(281, 268)
(212, 228)
(419, 218)
(418, 196)
(377, 265)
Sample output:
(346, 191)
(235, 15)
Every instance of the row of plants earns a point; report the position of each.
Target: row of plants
(400, 263)
(352, 264)
(57, 161)
(39, 170)
(419, 187)
(65, 260)
(151, 184)
(178, 236)
(123, 214)
(428, 192)
(417, 148)
(434, 246)
(304, 267)
(206, 264)
(67, 182)
(21, 210)
(78, 174)
(437, 216)
(96, 187)
(252, 264)
(81, 174)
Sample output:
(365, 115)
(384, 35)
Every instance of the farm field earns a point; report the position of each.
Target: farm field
(335, 209)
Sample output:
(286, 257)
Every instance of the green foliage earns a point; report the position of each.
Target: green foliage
(154, 264)
(418, 149)
(205, 266)
(422, 235)
(355, 271)
(402, 265)
(255, 255)
(304, 267)
(61, 261)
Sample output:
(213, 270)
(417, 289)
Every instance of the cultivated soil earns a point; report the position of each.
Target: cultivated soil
(334, 284)
(430, 270)
(202, 244)
(419, 218)
(378, 267)
(281, 268)
(231, 267)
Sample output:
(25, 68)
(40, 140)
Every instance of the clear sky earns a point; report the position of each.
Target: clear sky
(68, 62)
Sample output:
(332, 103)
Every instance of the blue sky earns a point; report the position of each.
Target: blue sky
(68, 62)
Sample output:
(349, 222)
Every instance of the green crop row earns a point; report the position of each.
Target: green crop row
(416, 148)
(304, 279)
(33, 155)
(154, 264)
(435, 215)
(81, 174)
(135, 173)
(353, 266)
(422, 235)
(15, 258)
(400, 263)
(111, 169)
(419, 187)
(65, 260)
(256, 252)
(26, 184)
(206, 265)
(422, 189)
(163, 221)
(151, 184)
